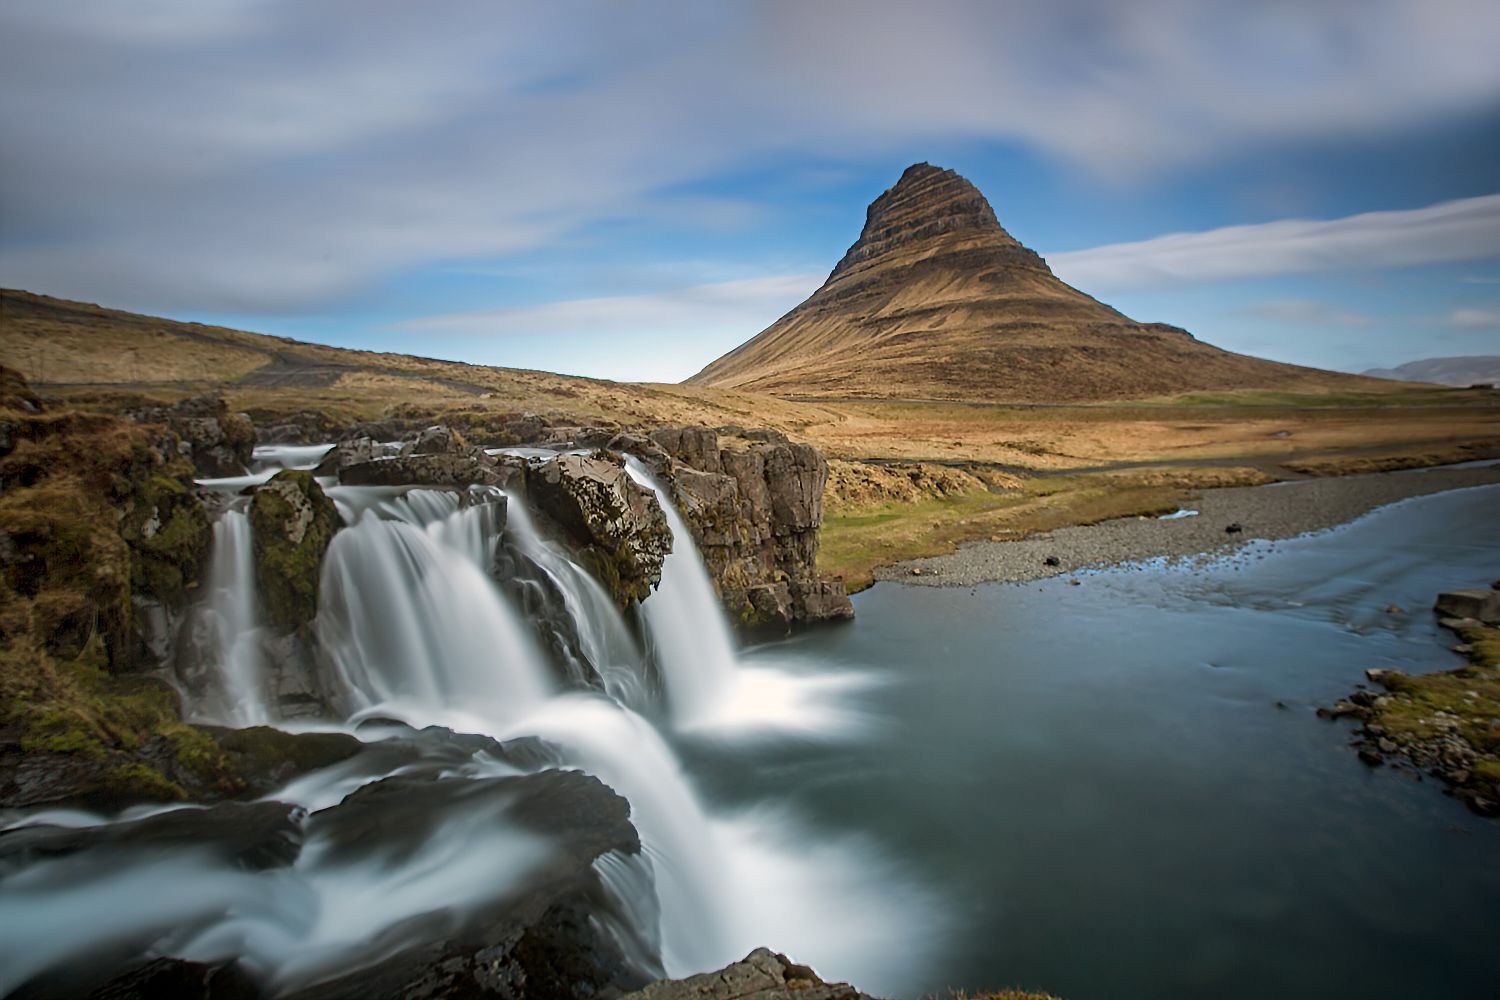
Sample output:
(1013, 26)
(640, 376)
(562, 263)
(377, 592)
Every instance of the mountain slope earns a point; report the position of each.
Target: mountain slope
(936, 300)
(1459, 371)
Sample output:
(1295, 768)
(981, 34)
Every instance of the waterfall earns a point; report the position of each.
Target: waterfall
(602, 632)
(413, 624)
(237, 694)
(685, 622)
(413, 627)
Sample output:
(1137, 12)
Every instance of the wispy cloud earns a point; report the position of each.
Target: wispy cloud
(1474, 319)
(741, 307)
(1307, 312)
(245, 155)
(1465, 229)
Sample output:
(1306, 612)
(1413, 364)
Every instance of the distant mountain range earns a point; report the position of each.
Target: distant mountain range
(1476, 369)
(937, 300)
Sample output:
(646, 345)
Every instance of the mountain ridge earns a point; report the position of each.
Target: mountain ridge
(1458, 370)
(937, 300)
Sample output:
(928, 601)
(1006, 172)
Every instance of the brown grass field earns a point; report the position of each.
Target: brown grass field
(986, 469)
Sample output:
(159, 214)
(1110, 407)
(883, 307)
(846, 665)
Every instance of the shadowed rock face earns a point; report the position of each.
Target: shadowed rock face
(936, 300)
(754, 510)
(616, 527)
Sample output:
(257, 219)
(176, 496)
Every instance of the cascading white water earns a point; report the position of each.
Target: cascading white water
(415, 627)
(685, 622)
(237, 695)
(602, 633)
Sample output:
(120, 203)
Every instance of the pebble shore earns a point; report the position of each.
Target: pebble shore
(1278, 511)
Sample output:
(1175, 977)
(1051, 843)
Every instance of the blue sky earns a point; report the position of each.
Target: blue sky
(628, 190)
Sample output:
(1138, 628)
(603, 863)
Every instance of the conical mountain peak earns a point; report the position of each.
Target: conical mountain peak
(927, 210)
(936, 301)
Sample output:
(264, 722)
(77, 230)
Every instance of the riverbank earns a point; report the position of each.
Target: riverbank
(1226, 520)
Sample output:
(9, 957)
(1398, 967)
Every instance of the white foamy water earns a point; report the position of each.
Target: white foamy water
(413, 628)
(685, 623)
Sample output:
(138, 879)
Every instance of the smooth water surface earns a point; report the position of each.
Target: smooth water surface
(1120, 789)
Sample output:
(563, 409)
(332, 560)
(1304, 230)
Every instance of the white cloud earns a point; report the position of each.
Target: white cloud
(749, 304)
(1466, 229)
(254, 155)
(1306, 312)
(1474, 319)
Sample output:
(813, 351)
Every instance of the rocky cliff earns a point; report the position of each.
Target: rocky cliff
(754, 502)
(935, 300)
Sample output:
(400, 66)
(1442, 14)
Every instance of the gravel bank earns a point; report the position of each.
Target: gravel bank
(1281, 510)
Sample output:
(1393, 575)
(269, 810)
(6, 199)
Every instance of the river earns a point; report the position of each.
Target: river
(1111, 790)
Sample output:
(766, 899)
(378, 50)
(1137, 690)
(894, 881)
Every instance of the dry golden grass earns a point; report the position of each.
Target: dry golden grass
(1160, 445)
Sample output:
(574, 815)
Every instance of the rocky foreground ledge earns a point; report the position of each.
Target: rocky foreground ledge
(765, 975)
(1445, 725)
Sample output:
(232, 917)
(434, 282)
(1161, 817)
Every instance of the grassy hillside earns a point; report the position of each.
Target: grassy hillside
(983, 470)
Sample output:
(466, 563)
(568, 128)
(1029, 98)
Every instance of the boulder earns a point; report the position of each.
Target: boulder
(443, 459)
(219, 443)
(616, 526)
(250, 835)
(554, 936)
(1481, 605)
(760, 975)
(291, 522)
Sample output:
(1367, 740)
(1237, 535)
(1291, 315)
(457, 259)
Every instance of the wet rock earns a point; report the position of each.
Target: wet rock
(617, 527)
(1370, 757)
(754, 508)
(180, 980)
(218, 442)
(1339, 710)
(549, 938)
(263, 758)
(292, 522)
(760, 975)
(1482, 605)
(1234, 529)
(1052, 561)
(468, 466)
(249, 835)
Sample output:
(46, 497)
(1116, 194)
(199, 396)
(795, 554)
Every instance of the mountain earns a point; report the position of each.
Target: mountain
(1473, 370)
(936, 300)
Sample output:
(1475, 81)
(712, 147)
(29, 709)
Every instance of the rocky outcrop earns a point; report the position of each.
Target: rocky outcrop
(292, 522)
(551, 935)
(1440, 723)
(1479, 604)
(616, 527)
(433, 456)
(548, 939)
(760, 975)
(218, 443)
(754, 504)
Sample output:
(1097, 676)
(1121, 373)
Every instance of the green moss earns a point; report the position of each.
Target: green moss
(134, 781)
(169, 537)
(291, 522)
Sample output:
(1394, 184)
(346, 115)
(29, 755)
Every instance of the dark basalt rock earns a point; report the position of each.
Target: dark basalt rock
(249, 835)
(546, 940)
(755, 510)
(1480, 605)
(433, 456)
(616, 526)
